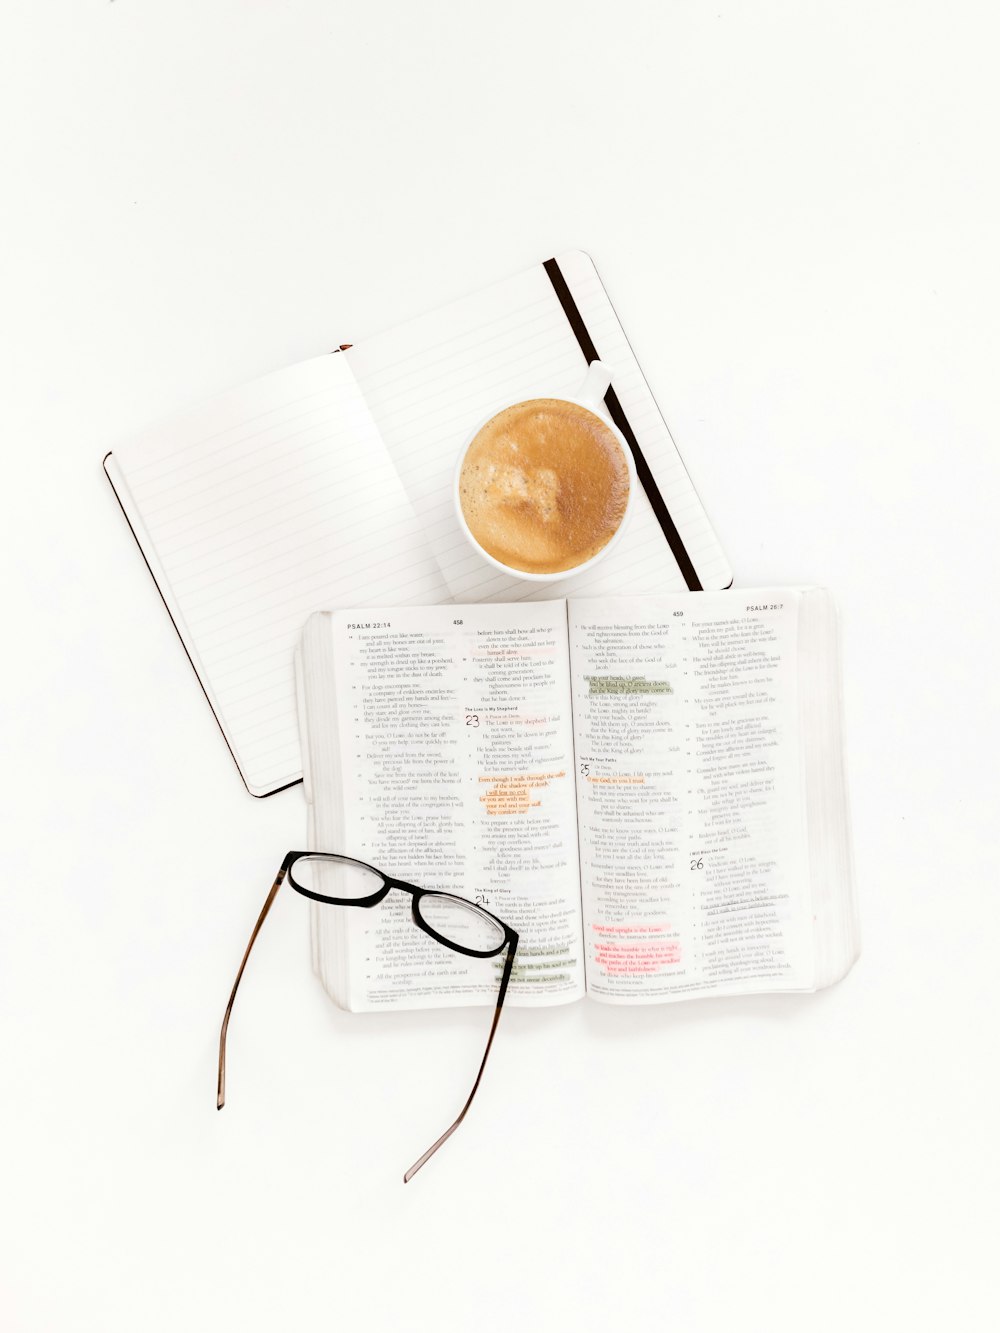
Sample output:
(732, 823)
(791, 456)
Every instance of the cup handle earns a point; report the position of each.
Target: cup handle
(596, 385)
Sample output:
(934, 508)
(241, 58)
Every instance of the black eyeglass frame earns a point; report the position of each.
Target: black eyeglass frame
(389, 882)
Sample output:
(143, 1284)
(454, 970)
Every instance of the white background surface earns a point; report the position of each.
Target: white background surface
(795, 210)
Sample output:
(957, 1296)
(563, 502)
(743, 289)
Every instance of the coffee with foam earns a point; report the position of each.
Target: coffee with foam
(544, 486)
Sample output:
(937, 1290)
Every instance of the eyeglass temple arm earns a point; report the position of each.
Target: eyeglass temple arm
(508, 965)
(221, 1095)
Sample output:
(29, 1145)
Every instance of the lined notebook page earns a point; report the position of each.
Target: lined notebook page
(431, 381)
(259, 507)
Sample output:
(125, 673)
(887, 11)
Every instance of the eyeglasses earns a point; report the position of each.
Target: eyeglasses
(448, 918)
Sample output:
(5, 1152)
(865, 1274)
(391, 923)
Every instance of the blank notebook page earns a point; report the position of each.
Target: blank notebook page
(431, 381)
(257, 508)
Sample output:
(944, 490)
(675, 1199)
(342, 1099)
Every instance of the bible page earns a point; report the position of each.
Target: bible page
(456, 755)
(693, 841)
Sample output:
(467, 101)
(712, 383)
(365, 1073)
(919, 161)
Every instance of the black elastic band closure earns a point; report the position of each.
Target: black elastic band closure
(617, 414)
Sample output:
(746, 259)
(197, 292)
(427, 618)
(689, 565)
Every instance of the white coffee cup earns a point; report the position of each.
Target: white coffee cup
(590, 395)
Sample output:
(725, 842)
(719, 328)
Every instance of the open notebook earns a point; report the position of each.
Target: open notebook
(329, 484)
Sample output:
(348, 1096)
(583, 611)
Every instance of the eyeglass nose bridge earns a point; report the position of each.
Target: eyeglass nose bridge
(415, 892)
(403, 884)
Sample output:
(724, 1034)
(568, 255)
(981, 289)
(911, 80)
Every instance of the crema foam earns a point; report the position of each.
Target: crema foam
(544, 486)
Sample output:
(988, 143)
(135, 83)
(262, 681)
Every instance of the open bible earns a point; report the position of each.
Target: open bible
(650, 790)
